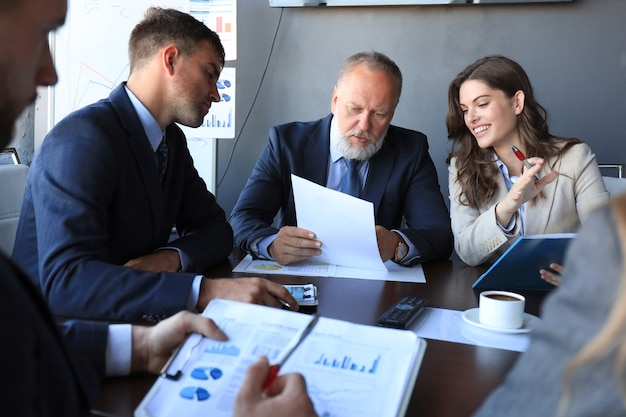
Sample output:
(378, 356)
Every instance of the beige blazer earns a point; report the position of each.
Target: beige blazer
(569, 199)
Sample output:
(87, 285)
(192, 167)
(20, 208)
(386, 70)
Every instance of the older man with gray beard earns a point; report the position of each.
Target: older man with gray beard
(355, 150)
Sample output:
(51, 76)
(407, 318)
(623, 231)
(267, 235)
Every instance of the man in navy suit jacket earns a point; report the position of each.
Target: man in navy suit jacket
(395, 173)
(97, 215)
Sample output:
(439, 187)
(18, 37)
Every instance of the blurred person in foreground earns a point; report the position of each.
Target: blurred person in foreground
(576, 362)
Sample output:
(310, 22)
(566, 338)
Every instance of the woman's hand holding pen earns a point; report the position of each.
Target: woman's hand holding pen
(285, 397)
(525, 188)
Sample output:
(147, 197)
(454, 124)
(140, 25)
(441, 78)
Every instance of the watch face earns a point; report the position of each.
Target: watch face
(401, 251)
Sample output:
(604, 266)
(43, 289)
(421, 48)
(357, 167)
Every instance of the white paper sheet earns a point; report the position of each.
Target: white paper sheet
(447, 325)
(392, 272)
(344, 224)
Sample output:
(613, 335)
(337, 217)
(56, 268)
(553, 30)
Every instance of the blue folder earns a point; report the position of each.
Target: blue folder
(518, 267)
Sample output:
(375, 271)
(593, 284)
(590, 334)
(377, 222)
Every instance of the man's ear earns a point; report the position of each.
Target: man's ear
(170, 56)
(333, 101)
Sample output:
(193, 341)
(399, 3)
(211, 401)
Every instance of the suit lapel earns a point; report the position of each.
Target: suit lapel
(380, 168)
(538, 215)
(315, 154)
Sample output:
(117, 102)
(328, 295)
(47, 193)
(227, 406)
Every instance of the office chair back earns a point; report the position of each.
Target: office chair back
(615, 183)
(12, 184)
(615, 186)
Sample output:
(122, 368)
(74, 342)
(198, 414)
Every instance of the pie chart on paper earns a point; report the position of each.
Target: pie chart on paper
(205, 373)
(195, 393)
(267, 267)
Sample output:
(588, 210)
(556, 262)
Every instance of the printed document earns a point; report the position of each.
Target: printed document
(352, 370)
(344, 224)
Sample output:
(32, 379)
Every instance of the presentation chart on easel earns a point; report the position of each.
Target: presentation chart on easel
(91, 55)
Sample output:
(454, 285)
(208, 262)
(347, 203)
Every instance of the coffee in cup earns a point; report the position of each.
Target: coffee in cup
(501, 309)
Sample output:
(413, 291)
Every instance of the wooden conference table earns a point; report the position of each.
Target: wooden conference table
(454, 378)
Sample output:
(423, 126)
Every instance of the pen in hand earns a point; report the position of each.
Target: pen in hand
(284, 304)
(522, 158)
(273, 371)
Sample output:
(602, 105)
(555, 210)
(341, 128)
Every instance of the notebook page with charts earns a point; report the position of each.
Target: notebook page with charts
(352, 370)
(518, 267)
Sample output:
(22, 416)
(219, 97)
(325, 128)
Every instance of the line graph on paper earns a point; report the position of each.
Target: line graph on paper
(344, 378)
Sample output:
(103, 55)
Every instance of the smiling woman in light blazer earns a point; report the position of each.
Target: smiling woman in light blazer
(495, 196)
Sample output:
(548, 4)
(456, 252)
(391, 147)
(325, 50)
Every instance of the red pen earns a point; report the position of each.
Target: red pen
(273, 372)
(522, 158)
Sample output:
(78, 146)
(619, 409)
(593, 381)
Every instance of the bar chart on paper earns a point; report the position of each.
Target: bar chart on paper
(347, 364)
(221, 349)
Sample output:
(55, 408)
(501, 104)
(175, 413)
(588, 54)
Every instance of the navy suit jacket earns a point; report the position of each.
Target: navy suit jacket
(402, 181)
(43, 376)
(94, 200)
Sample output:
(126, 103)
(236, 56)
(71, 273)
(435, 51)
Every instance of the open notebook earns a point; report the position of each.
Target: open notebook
(350, 369)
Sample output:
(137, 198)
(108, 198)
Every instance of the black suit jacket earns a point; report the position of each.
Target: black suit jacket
(402, 182)
(42, 375)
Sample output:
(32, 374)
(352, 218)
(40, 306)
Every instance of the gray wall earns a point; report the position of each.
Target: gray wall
(574, 53)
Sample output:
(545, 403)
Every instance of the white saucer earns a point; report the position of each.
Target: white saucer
(471, 317)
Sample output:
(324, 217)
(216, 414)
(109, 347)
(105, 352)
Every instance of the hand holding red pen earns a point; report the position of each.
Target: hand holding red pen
(524, 189)
(522, 158)
(273, 371)
(527, 190)
(285, 397)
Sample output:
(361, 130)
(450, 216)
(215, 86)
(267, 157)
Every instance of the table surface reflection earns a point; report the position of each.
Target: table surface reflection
(454, 378)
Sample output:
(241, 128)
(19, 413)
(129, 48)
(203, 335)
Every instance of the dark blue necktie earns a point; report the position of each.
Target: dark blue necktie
(351, 183)
(162, 158)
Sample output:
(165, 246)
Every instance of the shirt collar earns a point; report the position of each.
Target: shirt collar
(503, 168)
(508, 180)
(335, 136)
(150, 126)
(501, 165)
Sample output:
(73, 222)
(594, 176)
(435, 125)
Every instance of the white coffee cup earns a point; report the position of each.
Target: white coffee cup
(501, 309)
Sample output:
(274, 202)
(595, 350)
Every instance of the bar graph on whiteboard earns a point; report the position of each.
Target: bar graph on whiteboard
(215, 121)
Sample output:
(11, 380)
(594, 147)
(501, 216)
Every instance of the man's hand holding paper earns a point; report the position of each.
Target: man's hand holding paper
(344, 224)
(293, 244)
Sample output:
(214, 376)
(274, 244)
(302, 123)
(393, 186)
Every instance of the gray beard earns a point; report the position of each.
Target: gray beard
(360, 154)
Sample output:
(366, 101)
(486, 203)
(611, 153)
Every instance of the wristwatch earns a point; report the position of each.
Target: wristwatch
(401, 250)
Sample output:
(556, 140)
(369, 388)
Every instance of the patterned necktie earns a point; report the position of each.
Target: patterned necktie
(351, 183)
(162, 157)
